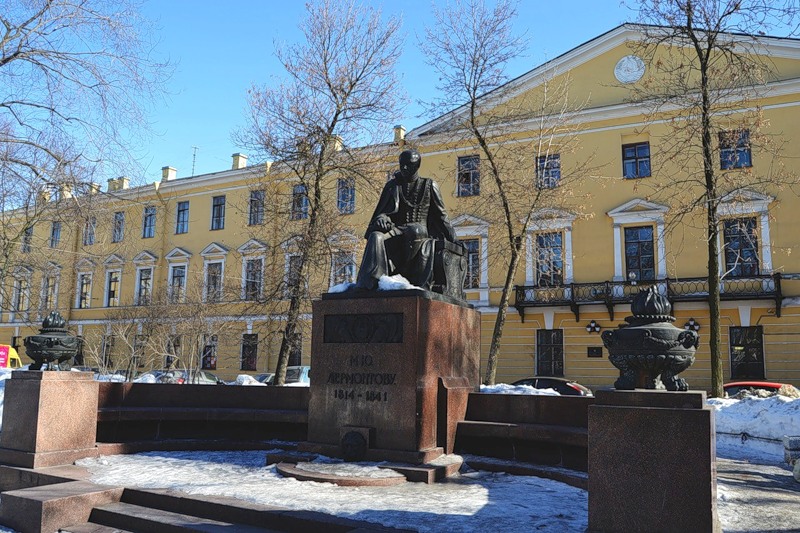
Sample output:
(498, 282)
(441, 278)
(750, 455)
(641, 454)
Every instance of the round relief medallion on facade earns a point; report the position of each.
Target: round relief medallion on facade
(629, 69)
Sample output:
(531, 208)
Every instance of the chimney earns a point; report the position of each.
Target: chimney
(239, 161)
(94, 188)
(399, 134)
(337, 143)
(118, 184)
(168, 173)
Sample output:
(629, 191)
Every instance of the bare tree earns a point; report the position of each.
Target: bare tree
(340, 91)
(75, 76)
(706, 72)
(469, 46)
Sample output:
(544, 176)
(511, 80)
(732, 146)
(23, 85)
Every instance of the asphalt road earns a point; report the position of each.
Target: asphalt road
(757, 497)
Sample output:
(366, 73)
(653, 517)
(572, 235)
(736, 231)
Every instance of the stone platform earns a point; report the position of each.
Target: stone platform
(393, 369)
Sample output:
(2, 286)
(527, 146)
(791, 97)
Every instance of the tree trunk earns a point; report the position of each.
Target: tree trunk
(499, 323)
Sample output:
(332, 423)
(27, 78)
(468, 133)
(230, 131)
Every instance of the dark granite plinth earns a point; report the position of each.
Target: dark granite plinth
(378, 362)
(50, 418)
(652, 468)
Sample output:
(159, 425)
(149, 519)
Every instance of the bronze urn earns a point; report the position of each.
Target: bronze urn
(649, 347)
(54, 346)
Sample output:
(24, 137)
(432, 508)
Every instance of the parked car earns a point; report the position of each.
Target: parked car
(265, 378)
(179, 377)
(565, 387)
(734, 387)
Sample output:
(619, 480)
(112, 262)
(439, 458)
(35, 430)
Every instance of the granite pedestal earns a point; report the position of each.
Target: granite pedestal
(49, 418)
(395, 367)
(652, 463)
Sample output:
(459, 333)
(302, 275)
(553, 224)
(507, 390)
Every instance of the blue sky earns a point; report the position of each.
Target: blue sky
(221, 48)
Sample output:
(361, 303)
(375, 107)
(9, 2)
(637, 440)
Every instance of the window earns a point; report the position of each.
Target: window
(182, 218)
(149, 222)
(473, 277)
(21, 295)
(293, 274)
(549, 260)
(27, 236)
(299, 202)
(639, 254)
(734, 149)
(747, 352)
(55, 234)
(346, 196)
(88, 231)
(550, 352)
(253, 278)
(177, 285)
(173, 350)
(741, 247)
(296, 350)
(213, 282)
(144, 286)
(343, 267)
(49, 293)
(218, 212)
(249, 351)
(636, 160)
(112, 288)
(548, 171)
(118, 233)
(84, 291)
(209, 359)
(469, 176)
(256, 207)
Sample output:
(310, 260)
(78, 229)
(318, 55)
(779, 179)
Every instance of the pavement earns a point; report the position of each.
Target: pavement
(757, 497)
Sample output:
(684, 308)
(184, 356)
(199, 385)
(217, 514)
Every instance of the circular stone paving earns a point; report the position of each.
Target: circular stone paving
(343, 474)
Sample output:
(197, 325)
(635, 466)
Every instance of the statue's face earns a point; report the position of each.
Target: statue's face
(409, 163)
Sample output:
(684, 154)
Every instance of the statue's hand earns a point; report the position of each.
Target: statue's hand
(384, 222)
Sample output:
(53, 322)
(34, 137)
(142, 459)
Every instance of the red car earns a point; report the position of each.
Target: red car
(733, 388)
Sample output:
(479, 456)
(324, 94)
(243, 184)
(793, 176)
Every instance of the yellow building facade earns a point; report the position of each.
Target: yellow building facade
(192, 270)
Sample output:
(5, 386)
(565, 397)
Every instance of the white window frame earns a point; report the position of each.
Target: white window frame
(549, 221)
(245, 260)
(136, 294)
(51, 271)
(468, 226)
(106, 296)
(182, 297)
(84, 267)
(639, 212)
(177, 257)
(21, 296)
(742, 204)
(118, 236)
(214, 253)
(252, 249)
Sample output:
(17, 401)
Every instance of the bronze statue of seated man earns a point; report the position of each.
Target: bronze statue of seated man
(409, 218)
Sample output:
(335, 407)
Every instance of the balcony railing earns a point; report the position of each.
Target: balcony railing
(610, 293)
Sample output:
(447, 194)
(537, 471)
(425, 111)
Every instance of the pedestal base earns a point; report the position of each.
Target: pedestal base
(50, 418)
(652, 462)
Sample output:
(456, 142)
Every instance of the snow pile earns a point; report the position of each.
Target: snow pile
(754, 427)
(244, 379)
(347, 470)
(148, 377)
(395, 283)
(502, 388)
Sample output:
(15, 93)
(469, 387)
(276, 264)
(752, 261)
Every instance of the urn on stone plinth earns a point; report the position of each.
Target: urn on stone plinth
(649, 346)
(54, 347)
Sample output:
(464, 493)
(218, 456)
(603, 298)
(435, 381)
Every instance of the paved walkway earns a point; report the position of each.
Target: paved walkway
(757, 497)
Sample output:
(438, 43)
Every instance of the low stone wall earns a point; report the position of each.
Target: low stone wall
(547, 430)
(129, 412)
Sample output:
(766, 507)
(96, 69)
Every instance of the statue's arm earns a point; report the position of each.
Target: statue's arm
(438, 221)
(387, 204)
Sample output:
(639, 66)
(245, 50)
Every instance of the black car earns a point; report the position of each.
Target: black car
(565, 387)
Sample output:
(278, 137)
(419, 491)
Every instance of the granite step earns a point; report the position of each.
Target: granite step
(89, 527)
(144, 520)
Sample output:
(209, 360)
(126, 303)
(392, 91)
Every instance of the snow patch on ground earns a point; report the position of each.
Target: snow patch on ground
(348, 470)
(502, 388)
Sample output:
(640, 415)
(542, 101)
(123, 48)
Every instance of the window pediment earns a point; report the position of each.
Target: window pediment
(253, 246)
(551, 219)
(145, 258)
(85, 265)
(637, 211)
(744, 201)
(470, 225)
(114, 260)
(214, 250)
(178, 254)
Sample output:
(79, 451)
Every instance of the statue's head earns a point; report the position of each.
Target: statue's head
(409, 163)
